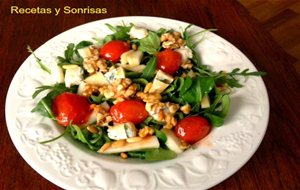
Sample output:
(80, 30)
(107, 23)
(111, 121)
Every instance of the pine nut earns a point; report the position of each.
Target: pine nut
(118, 144)
(160, 115)
(92, 129)
(134, 139)
(104, 147)
(148, 87)
(124, 155)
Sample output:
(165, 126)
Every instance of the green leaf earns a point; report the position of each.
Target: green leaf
(160, 135)
(83, 44)
(71, 55)
(137, 154)
(108, 38)
(150, 44)
(44, 106)
(150, 69)
(215, 120)
(93, 141)
(69, 52)
(200, 86)
(179, 82)
(39, 90)
(97, 99)
(186, 85)
(159, 154)
(39, 61)
(132, 74)
(148, 120)
(225, 106)
(161, 31)
(120, 32)
(190, 42)
(141, 81)
(66, 131)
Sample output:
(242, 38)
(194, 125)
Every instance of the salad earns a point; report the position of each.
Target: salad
(137, 93)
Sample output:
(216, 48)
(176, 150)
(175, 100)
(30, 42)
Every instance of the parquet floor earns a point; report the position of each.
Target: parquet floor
(282, 19)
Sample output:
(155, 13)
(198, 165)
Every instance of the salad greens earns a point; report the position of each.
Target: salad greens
(150, 44)
(207, 92)
(39, 61)
(72, 56)
(44, 105)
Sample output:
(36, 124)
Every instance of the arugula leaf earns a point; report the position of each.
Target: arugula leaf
(71, 55)
(186, 85)
(159, 154)
(246, 73)
(120, 32)
(38, 60)
(66, 131)
(150, 44)
(161, 31)
(59, 87)
(222, 77)
(160, 135)
(97, 99)
(200, 86)
(45, 104)
(83, 44)
(140, 81)
(132, 74)
(215, 120)
(93, 141)
(190, 42)
(150, 69)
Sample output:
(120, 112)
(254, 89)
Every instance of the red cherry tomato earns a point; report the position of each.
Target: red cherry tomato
(192, 129)
(129, 111)
(113, 50)
(169, 61)
(69, 107)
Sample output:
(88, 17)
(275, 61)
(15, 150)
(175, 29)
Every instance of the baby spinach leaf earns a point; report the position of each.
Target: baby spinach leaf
(150, 44)
(137, 154)
(215, 120)
(159, 154)
(199, 87)
(150, 69)
(225, 103)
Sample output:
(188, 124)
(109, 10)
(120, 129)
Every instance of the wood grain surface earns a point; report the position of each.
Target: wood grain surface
(275, 165)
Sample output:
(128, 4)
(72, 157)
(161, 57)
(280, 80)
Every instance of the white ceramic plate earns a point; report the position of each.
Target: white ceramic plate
(69, 165)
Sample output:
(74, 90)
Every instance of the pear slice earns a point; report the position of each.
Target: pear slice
(96, 79)
(146, 143)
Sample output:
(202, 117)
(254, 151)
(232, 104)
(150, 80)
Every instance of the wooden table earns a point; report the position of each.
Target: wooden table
(276, 164)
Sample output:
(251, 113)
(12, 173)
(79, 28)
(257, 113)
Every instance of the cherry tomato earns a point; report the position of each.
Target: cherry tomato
(69, 107)
(113, 50)
(169, 61)
(192, 129)
(129, 111)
